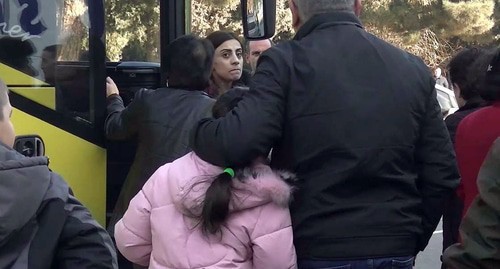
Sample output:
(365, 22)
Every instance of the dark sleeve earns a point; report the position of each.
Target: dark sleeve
(122, 122)
(437, 169)
(83, 242)
(451, 124)
(251, 129)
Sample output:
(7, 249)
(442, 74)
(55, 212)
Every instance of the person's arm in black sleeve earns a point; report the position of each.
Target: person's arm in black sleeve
(251, 129)
(83, 242)
(437, 169)
(451, 124)
(122, 122)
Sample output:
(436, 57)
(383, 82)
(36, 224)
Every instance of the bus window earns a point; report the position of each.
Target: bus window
(44, 49)
(133, 31)
(74, 31)
(43, 44)
(213, 15)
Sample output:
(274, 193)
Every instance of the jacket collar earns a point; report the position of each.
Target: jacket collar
(326, 20)
(474, 102)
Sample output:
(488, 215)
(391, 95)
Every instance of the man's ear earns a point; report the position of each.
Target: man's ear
(358, 6)
(296, 21)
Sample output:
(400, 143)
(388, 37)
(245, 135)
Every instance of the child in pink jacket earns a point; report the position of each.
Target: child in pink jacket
(191, 214)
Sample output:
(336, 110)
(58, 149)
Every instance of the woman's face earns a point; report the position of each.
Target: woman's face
(228, 61)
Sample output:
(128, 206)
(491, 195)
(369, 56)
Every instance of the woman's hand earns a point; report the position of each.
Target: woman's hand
(111, 87)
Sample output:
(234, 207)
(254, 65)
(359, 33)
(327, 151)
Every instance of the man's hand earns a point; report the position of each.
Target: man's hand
(111, 87)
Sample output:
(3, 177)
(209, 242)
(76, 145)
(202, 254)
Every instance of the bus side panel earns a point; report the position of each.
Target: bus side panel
(11, 76)
(44, 96)
(23, 85)
(81, 164)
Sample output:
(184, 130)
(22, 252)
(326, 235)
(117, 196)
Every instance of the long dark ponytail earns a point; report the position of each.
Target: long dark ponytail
(216, 204)
(218, 196)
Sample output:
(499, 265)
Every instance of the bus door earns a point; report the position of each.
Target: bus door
(133, 48)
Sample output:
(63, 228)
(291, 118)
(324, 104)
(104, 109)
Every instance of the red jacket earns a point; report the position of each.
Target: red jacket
(475, 135)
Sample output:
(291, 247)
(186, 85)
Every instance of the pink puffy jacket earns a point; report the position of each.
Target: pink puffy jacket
(157, 229)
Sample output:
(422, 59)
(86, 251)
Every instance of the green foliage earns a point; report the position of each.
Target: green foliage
(432, 29)
(284, 30)
(210, 16)
(469, 20)
(133, 22)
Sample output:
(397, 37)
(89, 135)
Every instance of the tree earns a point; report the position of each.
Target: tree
(431, 29)
(129, 23)
(210, 16)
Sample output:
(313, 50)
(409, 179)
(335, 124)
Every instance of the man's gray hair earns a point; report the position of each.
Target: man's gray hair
(309, 8)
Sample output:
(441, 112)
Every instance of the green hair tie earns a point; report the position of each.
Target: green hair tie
(229, 171)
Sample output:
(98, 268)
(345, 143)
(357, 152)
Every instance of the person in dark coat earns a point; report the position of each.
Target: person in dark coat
(468, 99)
(367, 140)
(466, 92)
(42, 225)
(161, 119)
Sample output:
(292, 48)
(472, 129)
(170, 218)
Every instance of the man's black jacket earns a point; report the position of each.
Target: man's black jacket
(358, 121)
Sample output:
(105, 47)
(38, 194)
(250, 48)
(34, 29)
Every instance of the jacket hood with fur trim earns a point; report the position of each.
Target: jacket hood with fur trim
(252, 187)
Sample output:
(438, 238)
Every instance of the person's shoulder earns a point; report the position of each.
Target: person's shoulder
(472, 122)
(59, 188)
(454, 119)
(145, 93)
(187, 166)
(402, 55)
(281, 50)
(405, 60)
(478, 114)
(415, 61)
(192, 165)
(278, 60)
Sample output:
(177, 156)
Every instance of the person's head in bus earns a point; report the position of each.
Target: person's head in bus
(253, 50)
(303, 10)
(459, 69)
(7, 134)
(49, 61)
(227, 67)
(189, 63)
(17, 53)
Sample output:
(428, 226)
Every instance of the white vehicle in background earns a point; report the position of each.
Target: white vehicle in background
(447, 100)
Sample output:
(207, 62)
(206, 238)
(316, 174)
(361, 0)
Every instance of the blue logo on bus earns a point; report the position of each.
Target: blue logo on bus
(26, 28)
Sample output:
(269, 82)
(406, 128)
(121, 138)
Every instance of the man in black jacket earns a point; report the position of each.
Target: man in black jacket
(41, 224)
(357, 119)
(161, 119)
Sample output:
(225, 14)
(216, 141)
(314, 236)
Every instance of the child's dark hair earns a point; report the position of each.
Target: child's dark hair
(460, 68)
(218, 196)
